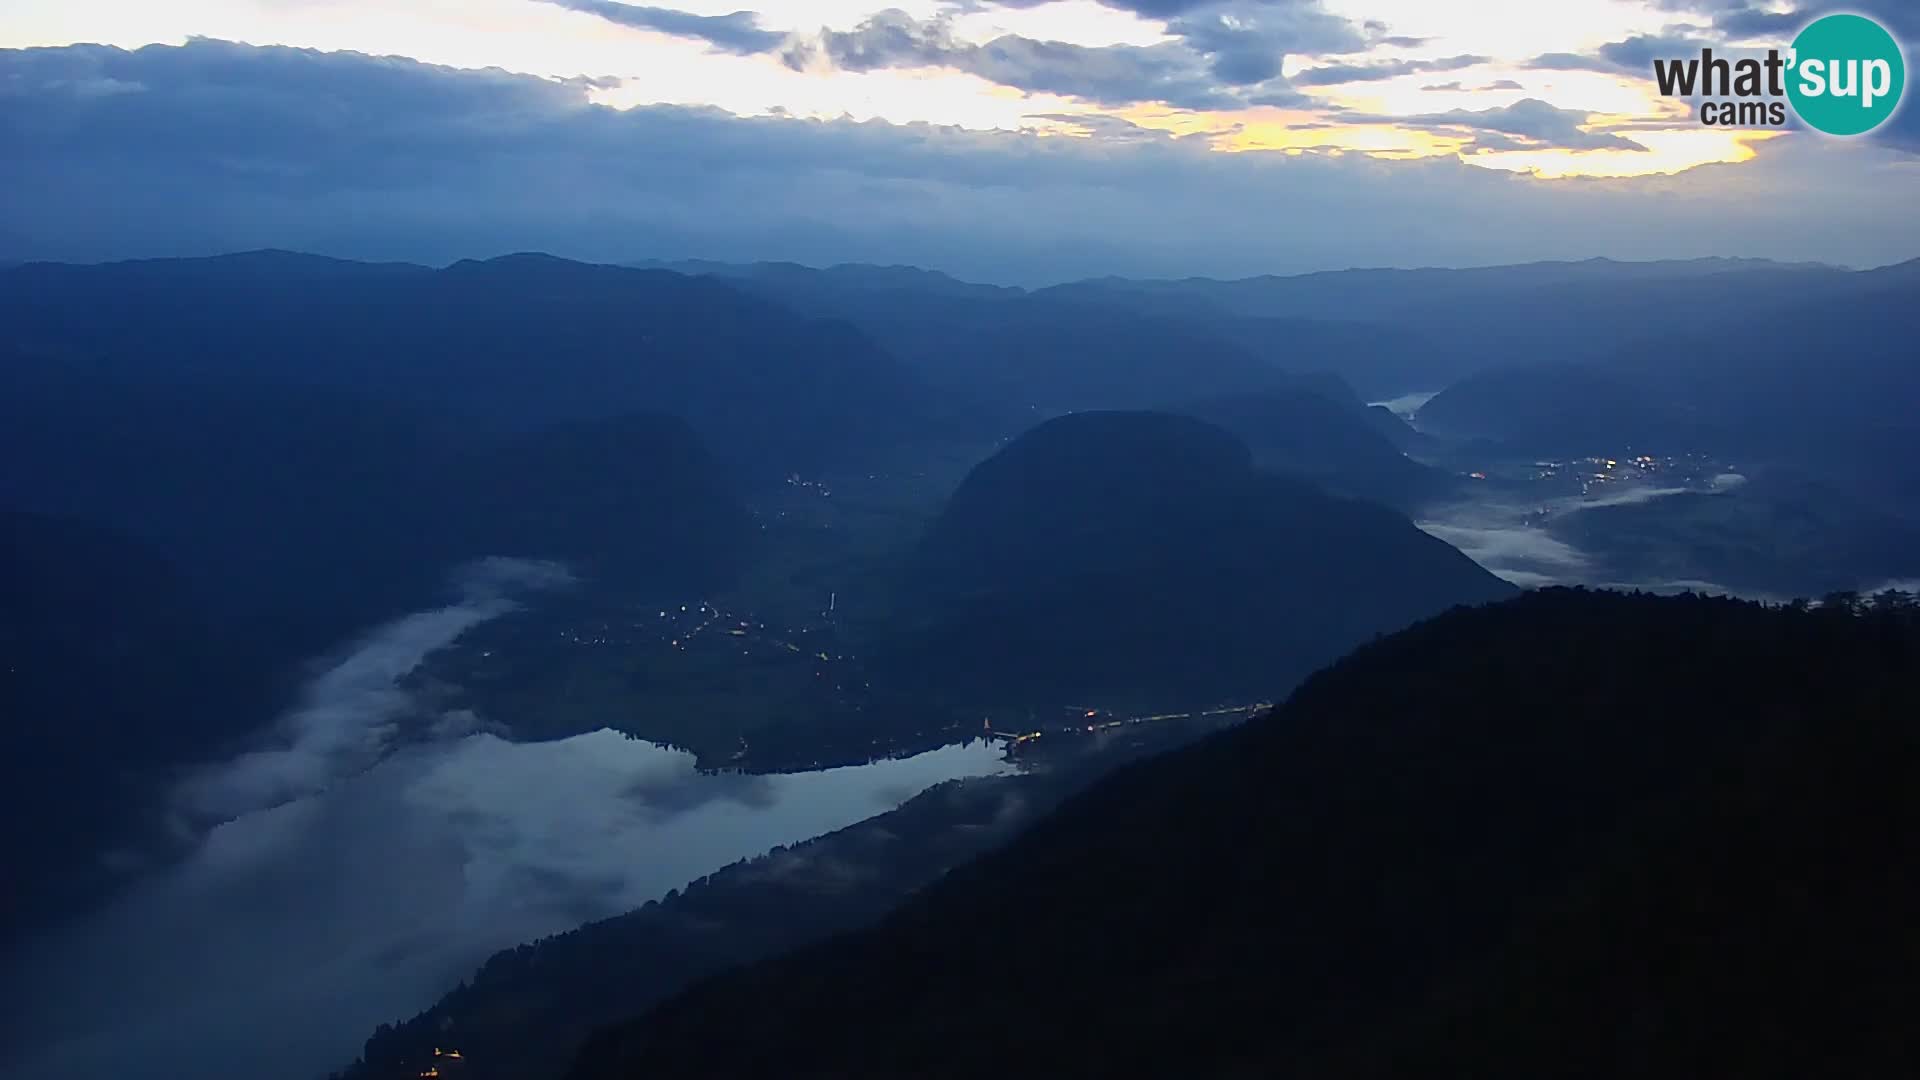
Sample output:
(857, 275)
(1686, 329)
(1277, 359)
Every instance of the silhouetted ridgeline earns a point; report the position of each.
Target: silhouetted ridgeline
(1025, 356)
(1573, 834)
(507, 344)
(1106, 342)
(1337, 444)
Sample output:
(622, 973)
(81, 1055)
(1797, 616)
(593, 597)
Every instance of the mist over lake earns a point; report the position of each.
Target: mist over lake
(344, 895)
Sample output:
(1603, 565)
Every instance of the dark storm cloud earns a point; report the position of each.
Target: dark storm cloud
(213, 146)
(738, 33)
(1335, 74)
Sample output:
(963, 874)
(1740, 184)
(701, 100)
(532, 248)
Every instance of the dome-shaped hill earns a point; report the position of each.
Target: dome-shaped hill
(1141, 559)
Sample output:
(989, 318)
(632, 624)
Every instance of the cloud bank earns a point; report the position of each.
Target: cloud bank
(739, 32)
(1219, 53)
(1529, 123)
(213, 146)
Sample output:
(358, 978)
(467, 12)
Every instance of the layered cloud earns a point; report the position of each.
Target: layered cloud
(1112, 75)
(1216, 55)
(1744, 19)
(739, 32)
(1632, 56)
(1213, 49)
(1527, 124)
(1252, 74)
(1244, 42)
(1334, 74)
(215, 146)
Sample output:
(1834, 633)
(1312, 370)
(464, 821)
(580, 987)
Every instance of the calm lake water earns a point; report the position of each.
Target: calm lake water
(293, 931)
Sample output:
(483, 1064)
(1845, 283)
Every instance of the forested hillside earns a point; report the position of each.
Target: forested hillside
(1574, 834)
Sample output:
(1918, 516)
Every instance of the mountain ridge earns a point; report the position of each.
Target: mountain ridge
(1373, 880)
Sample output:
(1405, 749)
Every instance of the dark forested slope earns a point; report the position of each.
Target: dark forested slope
(1338, 444)
(1141, 558)
(109, 667)
(636, 501)
(509, 343)
(1571, 835)
(300, 514)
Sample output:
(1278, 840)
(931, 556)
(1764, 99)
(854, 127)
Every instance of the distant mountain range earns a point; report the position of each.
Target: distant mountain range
(1343, 293)
(1815, 375)
(511, 343)
(1386, 332)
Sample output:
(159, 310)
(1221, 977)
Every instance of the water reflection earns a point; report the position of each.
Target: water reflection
(293, 930)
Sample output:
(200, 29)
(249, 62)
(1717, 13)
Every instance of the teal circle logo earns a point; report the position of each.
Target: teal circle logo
(1847, 75)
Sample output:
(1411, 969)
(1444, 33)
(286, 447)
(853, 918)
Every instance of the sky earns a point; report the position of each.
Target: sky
(1014, 140)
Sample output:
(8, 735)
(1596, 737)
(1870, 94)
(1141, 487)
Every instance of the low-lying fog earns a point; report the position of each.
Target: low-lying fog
(1505, 536)
(361, 867)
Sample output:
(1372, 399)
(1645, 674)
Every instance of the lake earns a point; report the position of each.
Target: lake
(357, 869)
